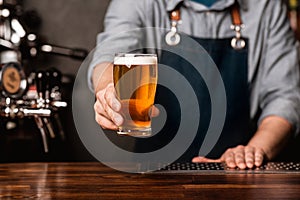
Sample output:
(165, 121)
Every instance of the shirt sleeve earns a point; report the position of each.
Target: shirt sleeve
(279, 76)
(121, 33)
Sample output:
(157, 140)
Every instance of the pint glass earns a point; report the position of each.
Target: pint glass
(135, 80)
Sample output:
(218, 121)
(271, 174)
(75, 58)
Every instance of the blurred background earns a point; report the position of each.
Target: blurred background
(73, 25)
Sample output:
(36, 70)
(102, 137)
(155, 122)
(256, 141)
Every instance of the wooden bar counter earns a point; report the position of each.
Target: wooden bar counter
(92, 180)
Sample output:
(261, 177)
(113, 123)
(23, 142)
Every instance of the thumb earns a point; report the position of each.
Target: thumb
(154, 111)
(201, 159)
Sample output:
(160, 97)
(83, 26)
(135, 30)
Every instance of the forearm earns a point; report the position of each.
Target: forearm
(102, 76)
(272, 135)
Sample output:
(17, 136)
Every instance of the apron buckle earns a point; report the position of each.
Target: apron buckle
(238, 42)
(172, 37)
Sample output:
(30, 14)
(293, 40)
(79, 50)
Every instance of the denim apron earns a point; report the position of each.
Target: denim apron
(232, 64)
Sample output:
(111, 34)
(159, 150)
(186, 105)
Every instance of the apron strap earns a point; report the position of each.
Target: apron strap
(175, 15)
(235, 15)
(173, 38)
(237, 42)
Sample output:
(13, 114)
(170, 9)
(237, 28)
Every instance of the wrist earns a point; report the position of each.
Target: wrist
(102, 76)
(260, 144)
(271, 136)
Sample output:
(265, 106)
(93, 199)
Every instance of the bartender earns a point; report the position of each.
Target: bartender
(260, 69)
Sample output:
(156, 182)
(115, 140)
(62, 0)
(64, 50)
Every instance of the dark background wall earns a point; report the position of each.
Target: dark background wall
(70, 23)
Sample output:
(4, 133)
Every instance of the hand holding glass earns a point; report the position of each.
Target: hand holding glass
(135, 80)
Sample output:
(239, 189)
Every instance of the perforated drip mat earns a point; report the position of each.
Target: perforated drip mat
(271, 167)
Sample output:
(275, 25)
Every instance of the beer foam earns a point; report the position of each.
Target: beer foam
(131, 59)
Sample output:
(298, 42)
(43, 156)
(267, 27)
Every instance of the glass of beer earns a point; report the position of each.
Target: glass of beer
(135, 80)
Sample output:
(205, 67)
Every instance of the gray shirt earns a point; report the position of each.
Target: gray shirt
(273, 68)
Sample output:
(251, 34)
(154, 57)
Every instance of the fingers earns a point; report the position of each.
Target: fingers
(229, 159)
(110, 98)
(102, 118)
(241, 156)
(249, 156)
(244, 157)
(110, 105)
(259, 157)
(107, 108)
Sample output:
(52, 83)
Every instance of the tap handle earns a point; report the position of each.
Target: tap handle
(54, 78)
(47, 85)
(40, 125)
(40, 84)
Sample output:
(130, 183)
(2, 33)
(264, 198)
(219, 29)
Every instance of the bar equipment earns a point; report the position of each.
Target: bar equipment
(37, 95)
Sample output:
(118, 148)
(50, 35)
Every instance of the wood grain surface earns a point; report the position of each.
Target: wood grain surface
(92, 180)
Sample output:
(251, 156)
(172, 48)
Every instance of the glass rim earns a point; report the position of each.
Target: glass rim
(135, 55)
(135, 59)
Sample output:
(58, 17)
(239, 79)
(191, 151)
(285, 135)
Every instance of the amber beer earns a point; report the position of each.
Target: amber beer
(135, 80)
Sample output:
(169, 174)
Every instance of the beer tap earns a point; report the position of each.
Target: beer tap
(41, 87)
(44, 79)
(45, 106)
(13, 109)
(55, 96)
(47, 88)
(55, 84)
(38, 96)
(40, 125)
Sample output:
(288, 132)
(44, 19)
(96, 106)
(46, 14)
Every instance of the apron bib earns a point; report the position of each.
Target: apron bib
(232, 64)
